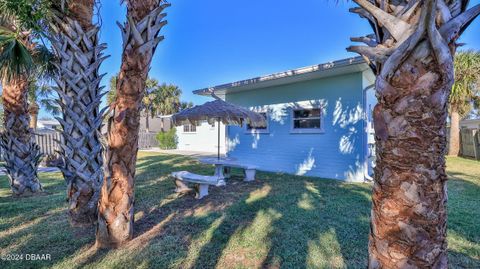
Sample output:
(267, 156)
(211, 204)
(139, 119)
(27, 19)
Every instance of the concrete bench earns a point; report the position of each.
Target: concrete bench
(248, 170)
(200, 182)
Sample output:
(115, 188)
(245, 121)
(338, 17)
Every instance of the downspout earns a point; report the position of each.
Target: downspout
(367, 177)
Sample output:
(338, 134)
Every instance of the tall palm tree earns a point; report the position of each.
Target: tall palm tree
(161, 99)
(39, 92)
(411, 52)
(168, 99)
(40, 96)
(74, 36)
(464, 94)
(185, 105)
(149, 101)
(21, 153)
(140, 39)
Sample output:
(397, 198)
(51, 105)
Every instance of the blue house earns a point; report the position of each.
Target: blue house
(318, 118)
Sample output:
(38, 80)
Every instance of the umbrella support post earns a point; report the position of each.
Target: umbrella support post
(218, 142)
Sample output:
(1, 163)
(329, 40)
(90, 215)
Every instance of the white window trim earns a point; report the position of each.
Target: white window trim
(259, 131)
(183, 129)
(320, 130)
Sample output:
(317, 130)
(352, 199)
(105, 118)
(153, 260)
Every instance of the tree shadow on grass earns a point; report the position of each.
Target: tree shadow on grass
(463, 220)
(39, 225)
(155, 198)
(278, 221)
(287, 221)
(155, 206)
(32, 206)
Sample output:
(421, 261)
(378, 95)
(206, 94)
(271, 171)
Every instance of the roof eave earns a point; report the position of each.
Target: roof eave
(345, 66)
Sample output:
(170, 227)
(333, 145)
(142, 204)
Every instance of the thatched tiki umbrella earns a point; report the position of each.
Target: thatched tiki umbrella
(220, 111)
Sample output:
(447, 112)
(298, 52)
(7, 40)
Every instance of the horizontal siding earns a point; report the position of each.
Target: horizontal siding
(336, 153)
(205, 139)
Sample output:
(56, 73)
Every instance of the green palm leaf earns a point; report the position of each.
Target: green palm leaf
(465, 90)
(15, 59)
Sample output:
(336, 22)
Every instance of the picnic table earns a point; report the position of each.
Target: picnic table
(201, 182)
(223, 166)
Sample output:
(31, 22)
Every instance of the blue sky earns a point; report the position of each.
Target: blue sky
(212, 42)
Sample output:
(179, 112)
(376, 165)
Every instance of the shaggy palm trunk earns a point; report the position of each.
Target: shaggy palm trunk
(140, 39)
(409, 196)
(76, 43)
(411, 53)
(33, 109)
(21, 154)
(454, 143)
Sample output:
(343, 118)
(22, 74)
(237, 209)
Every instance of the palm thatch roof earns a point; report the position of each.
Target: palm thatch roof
(219, 110)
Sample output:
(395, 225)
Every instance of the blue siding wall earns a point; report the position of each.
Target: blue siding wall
(337, 152)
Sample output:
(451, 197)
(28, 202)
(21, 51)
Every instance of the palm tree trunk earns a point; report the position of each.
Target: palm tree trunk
(33, 111)
(76, 42)
(454, 143)
(147, 123)
(411, 53)
(21, 153)
(140, 39)
(409, 218)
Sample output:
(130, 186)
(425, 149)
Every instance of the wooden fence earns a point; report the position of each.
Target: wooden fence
(147, 140)
(470, 143)
(48, 142)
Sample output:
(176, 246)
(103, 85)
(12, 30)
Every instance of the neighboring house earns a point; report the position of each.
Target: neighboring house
(202, 138)
(156, 124)
(47, 125)
(470, 124)
(319, 120)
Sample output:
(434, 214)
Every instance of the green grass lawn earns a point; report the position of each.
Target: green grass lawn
(279, 221)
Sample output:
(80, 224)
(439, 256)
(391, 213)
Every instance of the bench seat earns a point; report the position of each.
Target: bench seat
(201, 182)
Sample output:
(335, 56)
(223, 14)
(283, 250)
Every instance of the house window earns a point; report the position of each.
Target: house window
(307, 120)
(189, 128)
(213, 125)
(262, 129)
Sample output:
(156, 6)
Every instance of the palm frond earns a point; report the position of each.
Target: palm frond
(50, 106)
(43, 94)
(44, 59)
(467, 77)
(15, 58)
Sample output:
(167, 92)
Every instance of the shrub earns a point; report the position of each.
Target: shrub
(167, 140)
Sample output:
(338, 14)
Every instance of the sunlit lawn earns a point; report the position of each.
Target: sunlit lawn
(279, 221)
